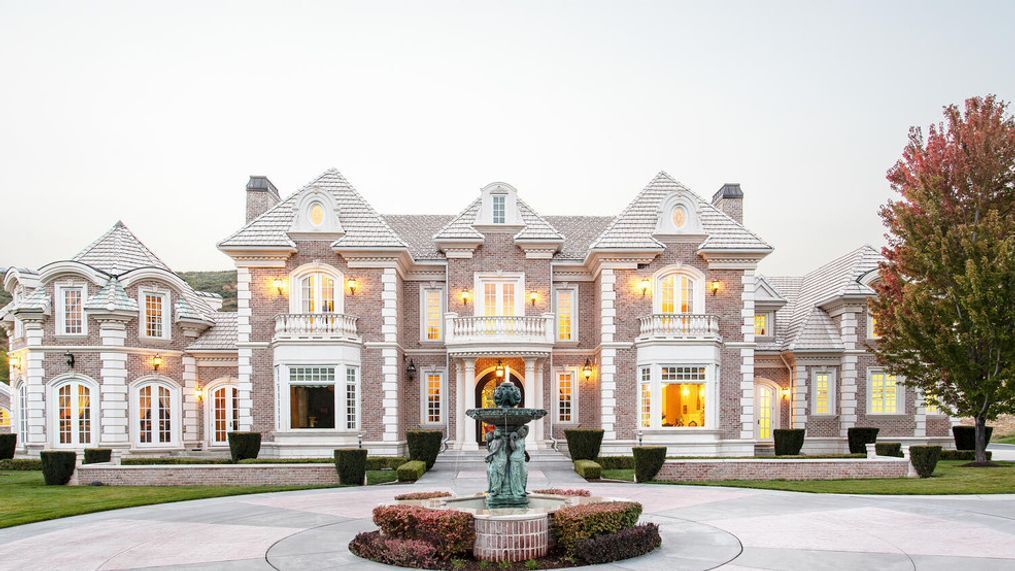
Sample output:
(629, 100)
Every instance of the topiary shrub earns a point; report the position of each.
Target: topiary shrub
(965, 436)
(859, 437)
(411, 471)
(351, 465)
(583, 443)
(424, 445)
(573, 492)
(623, 544)
(647, 462)
(616, 462)
(97, 455)
(21, 464)
(588, 469)
(967, 455)
(8, 444)
(385, 462)
(572, 524)
(243, 445)
(450, 531)
(393, 551)
(924, 459)
(423, 496)
(57, 466)
(889, 449)
(788, 441)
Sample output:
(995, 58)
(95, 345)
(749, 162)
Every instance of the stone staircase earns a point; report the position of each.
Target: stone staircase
(474, 459)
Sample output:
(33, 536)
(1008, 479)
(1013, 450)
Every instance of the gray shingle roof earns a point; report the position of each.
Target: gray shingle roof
(118, 251)
(219, 337)
(363, 226)
(417, 231)
(460, 227)
(633, 228)
(578, 232)
(112, 297)
(537, 228)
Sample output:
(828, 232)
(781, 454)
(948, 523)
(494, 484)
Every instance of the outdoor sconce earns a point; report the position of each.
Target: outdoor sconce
(359, 438)
(785, 392)
(533, 296)
(587, 369)
(69, 357)
(352, 284)
(279, 285)
(714, 286)
(639, 438)
(410, 370)
(466, 296)
(199, 392)
(156, 362)
(15, 363)
(644, 285)
(500, 369)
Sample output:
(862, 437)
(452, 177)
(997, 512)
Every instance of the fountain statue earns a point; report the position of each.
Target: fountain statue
(506, 472)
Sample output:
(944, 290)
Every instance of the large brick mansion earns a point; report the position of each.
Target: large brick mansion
(354, 327)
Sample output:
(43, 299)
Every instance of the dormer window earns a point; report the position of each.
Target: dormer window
(316, 214)
(679, 217)
(317, 217)
(499, 211)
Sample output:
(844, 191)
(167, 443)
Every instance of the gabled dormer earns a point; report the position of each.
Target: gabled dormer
(316, 216)
(498, 209)
(677, 217)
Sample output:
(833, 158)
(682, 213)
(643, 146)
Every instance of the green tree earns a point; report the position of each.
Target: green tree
(946, 304)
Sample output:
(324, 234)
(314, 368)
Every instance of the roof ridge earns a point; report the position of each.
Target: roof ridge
(366, 203)
(456, 217)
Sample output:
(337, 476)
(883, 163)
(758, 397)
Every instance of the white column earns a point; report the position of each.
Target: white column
(389, 354)
(35, 379)
(469, 382)
(191, 430)
(113, 390)
(747, 357)
(800, 397)
(244, 369)
(535, 397)
(538, 403)
(607, 366)
(848, 378)
(459, 404)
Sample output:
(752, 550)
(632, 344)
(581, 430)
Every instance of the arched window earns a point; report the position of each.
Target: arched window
(73, 413)
(317, 288)
(223, 414)
(155, 413)
(676, 293)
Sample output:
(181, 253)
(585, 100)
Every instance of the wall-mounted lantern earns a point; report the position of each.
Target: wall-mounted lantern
(279, 285)
(69, 358)
(500, 369)
(639, 437)
(156, 362)
(587, 369)
(199, 392)
(410, 370)
(785, 392)
(714, 285)
(533, 296)
(466, 296)
(15, 362)
(352, 284)
(645, 285)
(359, 438)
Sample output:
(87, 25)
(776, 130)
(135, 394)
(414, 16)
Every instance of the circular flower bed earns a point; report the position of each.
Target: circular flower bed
(598, 530)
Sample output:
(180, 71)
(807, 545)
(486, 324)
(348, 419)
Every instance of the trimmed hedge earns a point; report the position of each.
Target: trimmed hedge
(57, 466)
(889, 449)
(21, 464)
(424, 445)
(966, 455)
(411, 471)
(422, 496)
(385, 462)
(623, 544)
(965, 437)
(143, 461)
(573, 524)
(788, 441)
(243, 445)
(572, 492)
(351, 465)
(8, 444)
(616, 462)
(647, 462)
(450, 531)
(583, 443)
(924, 459)
(373, 546)
(859, 437)
(588, 469)
(97, 455)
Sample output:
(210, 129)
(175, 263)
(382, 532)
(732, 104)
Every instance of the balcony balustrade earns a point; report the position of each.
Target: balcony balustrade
(315, 326)
(680, 326)
(499, 330)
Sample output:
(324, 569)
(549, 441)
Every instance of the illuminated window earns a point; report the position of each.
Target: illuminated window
(316, 214)
(225, 403)
(679, 217)
(434, 398)
(683, 397)
(884, 394)
(154, 405)
(872, 326)
(5, 418)
(433, 314)
(74, 414)
(155, 309)
(351, 398)
(499, 297)
(566, 312)
(499, 212)
(676, 294)
(312, 397)
(930, 405)
(645, 396)
(566, 390)
(71, 317)
(317, 293)
(763, 324)
(824, 389)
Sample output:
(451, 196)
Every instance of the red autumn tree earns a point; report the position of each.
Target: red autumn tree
(946, 299)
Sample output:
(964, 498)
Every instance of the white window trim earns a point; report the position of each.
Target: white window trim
(574, 314)
(209, 413)
(53, 410)
(494, 196)
(167, 312)
(698, 287)
(771, 326)
(900, 395)
(423, 404)
(359, 398)
(341, 412)
(776, 407)
(870, 326)
(575, 384)
(656, 395)
(423, 313)
(175, 412)
(22, 419)
(296, 290)
(479, 303)
(61, 325)
(832, 391)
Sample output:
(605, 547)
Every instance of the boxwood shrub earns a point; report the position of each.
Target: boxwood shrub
(572, 524)
(616, 462)
(243, 445)
(647, 462)
(965, 436)
(411, 471)
(967, 455)
(21, 464)
(385, 462)
(8, 444)
(622, 544)
(424, 445)
(924, 459)
(588, 469)
(146, 461)
(351, 465)
(57, 466)
(889, 449)
(859, 437)
(96, 455)
(788, 441)
(583, 443)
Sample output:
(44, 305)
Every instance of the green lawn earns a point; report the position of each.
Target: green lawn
(948, 478)
(1010, 439)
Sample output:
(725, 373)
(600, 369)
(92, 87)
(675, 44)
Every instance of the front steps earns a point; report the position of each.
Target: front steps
(475, 459)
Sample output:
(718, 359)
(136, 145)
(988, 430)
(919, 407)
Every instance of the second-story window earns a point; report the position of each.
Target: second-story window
(433, 313)
(567, 311)
(763, 323)
(155, 315)
(317, 293)
(677, 294)
(499, 212)
(71, 314)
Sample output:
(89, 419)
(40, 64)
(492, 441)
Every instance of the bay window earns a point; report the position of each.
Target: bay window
(70, 311)
(676, 396)
(884, 394)
(351, 398)
(645, 397)
(567, 311)
(322, 397)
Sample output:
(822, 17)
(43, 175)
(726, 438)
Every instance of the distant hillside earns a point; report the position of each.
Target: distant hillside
(222, 283)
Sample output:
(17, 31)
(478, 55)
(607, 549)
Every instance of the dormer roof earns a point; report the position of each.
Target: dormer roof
(118, 251)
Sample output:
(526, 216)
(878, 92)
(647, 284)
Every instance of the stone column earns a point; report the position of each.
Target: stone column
(469, 382)
(532, 389)
(540, 384)
(847, 382)
(608, 354)
(191, 429)
(747, 358)
(244, 369)
(389, 354)
(114, 420)
(459, 404)
(35, 379)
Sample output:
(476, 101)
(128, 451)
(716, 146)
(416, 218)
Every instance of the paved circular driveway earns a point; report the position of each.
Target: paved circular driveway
(703, 528)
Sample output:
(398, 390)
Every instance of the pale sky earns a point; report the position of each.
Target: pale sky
(156, 113)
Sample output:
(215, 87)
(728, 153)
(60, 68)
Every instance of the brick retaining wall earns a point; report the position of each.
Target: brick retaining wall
(209, 475)
(832, 469)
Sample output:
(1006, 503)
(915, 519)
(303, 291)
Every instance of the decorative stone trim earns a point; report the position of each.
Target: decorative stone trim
(110, 474)
(389, 355)
(747, 357)
(847, 377)
(777, 469)
(245, 369)
(607, 365)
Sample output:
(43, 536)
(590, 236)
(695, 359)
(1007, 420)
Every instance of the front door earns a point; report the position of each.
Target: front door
(764, 397)
(484, 399)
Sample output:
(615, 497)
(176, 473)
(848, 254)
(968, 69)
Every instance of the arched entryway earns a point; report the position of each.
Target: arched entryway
(484, 397)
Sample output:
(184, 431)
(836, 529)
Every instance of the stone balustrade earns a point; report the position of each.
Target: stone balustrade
(499, 329)
(315, 326)
(680, 326)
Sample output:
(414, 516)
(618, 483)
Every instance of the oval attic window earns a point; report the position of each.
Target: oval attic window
(679, 217)
(316, 214)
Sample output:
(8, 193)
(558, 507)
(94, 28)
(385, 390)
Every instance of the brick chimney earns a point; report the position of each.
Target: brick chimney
(261, 196)
(730, 199)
